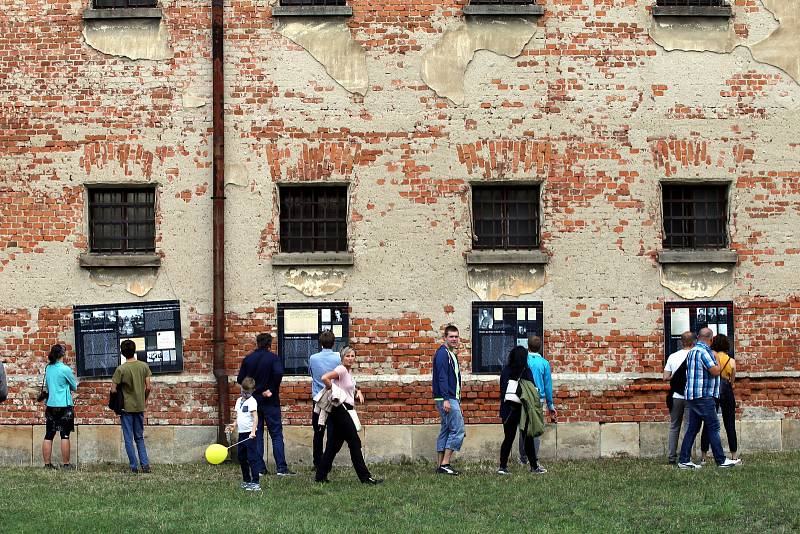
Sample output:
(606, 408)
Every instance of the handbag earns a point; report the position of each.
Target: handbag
(511, 392)
(43, 393)
(356, 420)
(116, 400)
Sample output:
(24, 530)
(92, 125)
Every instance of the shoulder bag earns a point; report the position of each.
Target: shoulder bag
(43, 393)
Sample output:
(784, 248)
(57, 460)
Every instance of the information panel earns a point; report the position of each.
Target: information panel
(299, 327)
(680, 317)
(498, 326)
(155, 327)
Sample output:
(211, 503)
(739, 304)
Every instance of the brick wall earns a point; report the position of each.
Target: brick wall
(592, 108)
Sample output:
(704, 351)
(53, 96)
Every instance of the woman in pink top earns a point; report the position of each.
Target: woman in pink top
(340, 425)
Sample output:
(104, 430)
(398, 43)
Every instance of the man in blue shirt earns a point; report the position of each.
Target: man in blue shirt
(266, 369)
(446, 385)
(540, 369)
(702, 388)
(320, 363)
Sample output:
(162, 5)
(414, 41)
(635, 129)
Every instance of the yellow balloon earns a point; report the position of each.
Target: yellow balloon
(216, 453)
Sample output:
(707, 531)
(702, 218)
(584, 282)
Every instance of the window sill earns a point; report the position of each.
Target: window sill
(693, 11)
(312, 11)
(289, 259)
(517, 257)
(119, 260)
(123, 13)
(697, 256)
(513, 10)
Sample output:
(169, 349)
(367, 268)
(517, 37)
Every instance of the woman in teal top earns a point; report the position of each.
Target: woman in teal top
(59, 414)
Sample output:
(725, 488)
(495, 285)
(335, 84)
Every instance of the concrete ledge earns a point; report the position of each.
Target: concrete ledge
(693, 11)
(119, 260)
(698, 256)
(312, 11)
(758, 435)
(619, 440)
(123, 13)
(16, 445)
(512, 10)
(790, 434)
(578, 441)
(488, 257)
(290, 259)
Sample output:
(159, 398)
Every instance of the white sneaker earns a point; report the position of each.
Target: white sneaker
(730, 463)
(689, 465)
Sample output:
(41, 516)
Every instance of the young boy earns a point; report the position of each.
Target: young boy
(247, 422)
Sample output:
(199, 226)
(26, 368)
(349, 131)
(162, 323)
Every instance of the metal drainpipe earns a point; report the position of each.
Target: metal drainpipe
(218, 215)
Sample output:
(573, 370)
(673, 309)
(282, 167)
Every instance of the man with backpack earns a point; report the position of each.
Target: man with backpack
(675, 372)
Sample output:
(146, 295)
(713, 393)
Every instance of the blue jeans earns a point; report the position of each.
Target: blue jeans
(702, 411)
(271, 416)
(133, 431)
(451, 434)
(251, 463)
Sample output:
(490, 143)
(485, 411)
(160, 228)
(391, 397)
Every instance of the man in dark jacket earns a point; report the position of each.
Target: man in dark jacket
(266, 369)
(447, 394)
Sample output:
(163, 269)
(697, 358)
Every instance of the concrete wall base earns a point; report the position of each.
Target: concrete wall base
(20, 445)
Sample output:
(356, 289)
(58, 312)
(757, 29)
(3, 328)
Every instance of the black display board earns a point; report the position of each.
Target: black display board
(692, 316)
(498, 327)
(299, 327)
(155, 327)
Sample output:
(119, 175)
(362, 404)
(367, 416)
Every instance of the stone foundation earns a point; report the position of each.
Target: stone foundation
(20, 445)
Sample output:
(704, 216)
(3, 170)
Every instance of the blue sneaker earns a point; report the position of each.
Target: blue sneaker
(253, 486)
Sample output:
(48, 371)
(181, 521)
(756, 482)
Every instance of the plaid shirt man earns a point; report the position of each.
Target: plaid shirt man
(699, 382)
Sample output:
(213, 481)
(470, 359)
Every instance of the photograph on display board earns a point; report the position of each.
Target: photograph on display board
(131, 322)
(485, 319)
(337, 316)
(711, 315)
(701, 318)
(722, 315)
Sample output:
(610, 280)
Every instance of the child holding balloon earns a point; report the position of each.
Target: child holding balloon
(247, 422)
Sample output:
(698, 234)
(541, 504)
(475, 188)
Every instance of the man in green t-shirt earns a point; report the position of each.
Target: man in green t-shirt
(133, 377)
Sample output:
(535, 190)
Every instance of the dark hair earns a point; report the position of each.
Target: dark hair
(56, 353)
(264, 341)
(450, 328)
(518, 360)
(327, 339)
(534, 343)
(721, 343)
(128, 348)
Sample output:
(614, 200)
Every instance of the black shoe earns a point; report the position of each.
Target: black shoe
(372, 481)
(50, 466)
(145, 469)
(134, 471)
(447, 469)
(322, 480)
(69, 467)
(286, 473)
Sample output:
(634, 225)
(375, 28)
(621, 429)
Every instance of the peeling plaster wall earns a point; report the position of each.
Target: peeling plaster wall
(444, 65)
(711, 34)
(583, 101)
(130, 38)
(330, 43)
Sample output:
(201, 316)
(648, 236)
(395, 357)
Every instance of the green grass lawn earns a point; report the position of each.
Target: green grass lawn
(763, 495)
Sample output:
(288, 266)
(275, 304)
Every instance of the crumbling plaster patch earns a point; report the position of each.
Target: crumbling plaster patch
(131, 38)
(692, 281)
(444, 65)
(700, 34)
(492, 283)
(316, 282)
(332, 45)
(137, 282)
(781, 48)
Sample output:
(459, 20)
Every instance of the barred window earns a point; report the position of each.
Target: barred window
(124, 3)
(695, 216)
(313, 219)
(313, 2)
(122, 220)
(505, 217)
(692, 3)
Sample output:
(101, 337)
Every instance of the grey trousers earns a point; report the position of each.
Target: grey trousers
(523, 458)
(676, 418)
